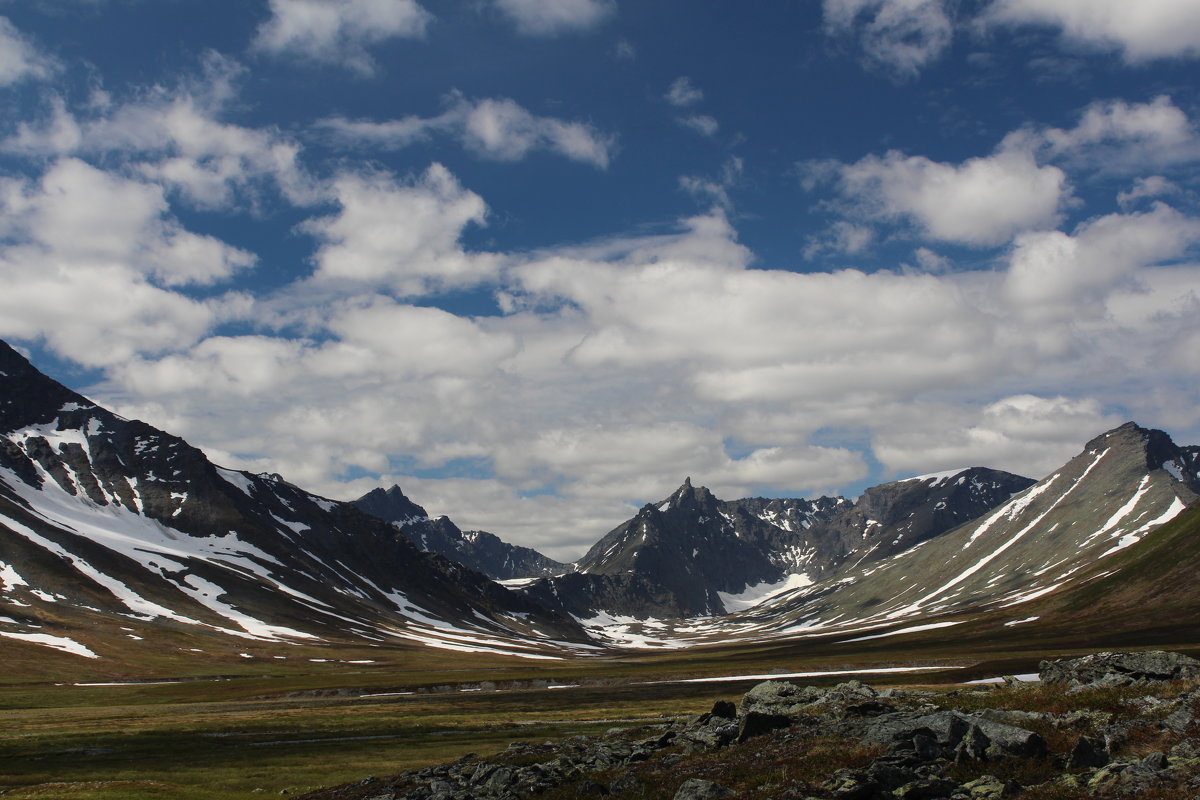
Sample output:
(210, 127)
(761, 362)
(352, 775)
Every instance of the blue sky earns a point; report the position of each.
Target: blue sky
(539, 260)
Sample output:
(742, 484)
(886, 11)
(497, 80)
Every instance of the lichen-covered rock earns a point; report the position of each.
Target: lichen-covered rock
(1119, 669)
(778, 698)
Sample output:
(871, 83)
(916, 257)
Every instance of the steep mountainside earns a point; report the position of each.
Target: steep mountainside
(108, 521)
(1123, 487)
(693, 555)
(481, 551)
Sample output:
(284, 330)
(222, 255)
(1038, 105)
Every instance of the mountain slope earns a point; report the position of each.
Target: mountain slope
(1123, 487)
(481, 551)
(117, 522)
(694, 555)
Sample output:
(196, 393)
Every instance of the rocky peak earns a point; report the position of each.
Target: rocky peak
(391, 505)
(27, 397)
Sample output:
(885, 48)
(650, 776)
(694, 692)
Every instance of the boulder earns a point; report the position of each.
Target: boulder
(755, 723)
(1087, 752)
(1116, 669)
(960, 736)
(779, 698)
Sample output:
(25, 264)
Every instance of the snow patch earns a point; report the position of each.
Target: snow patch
(760, 593)
(57, 642)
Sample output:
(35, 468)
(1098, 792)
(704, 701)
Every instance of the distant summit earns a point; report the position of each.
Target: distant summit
(479, 550)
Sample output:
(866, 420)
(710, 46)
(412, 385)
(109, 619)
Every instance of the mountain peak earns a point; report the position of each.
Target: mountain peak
(391, 505)
(29, 397)
(1159, 449)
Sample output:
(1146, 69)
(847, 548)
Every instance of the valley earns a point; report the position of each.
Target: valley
(173, 628)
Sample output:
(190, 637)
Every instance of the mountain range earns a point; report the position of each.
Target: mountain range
(118, 538)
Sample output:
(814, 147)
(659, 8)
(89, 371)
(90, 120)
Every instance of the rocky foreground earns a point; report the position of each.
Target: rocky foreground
(1107, 725)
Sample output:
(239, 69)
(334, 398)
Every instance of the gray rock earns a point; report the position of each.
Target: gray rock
(700, 789)
(1087, 752)
(964, 735)
(1117, 669)
(725, 709)
(756, 723)
(779, 698)
(591, 789)
(626, 784)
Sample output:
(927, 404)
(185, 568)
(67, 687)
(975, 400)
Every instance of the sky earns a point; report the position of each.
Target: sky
(537, 261)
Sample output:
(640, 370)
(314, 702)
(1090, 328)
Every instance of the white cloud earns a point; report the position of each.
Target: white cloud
(624, 365)
(715, 190)
(682, 93)
(1116, 135)
(702, 124)
(401, 234)
(900, 36)
(840, 237)
(1024, 433)
(1052, 271)
(552, 17)
(175, 137)
(338, 31)
(1143, 188)
(1141, 31)
(497, 128)
(982, 201)
(90, 262)
(20, 59)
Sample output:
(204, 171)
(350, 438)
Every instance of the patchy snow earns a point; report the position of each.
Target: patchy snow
(515, 583)
(624, 631)
(154, 547)
(1020, 621)
(1124, 511)
(10, 578)
(815, 674)
(57, 642)
(760, 593)
(237, 479)
(910, 629)
(1012, 508)
(937, 477)
(1176, 508)
(1024, 677)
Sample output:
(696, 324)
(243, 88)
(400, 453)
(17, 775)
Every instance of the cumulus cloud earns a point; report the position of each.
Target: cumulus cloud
(401, 234)
(496, 128)
(20, 59)
(338, 31)
(981, 201)
(623, 365)
(1027, 434)
(175, 137)
(1054, 270)
(1140, 31)
(1116, 136)
(552, 17)
(90, 261)
(1143, 188)
(901, 37)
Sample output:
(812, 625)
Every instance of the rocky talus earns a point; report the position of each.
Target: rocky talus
(1105, 726)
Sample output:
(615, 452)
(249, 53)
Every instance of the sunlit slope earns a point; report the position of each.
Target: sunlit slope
(1120, 489)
